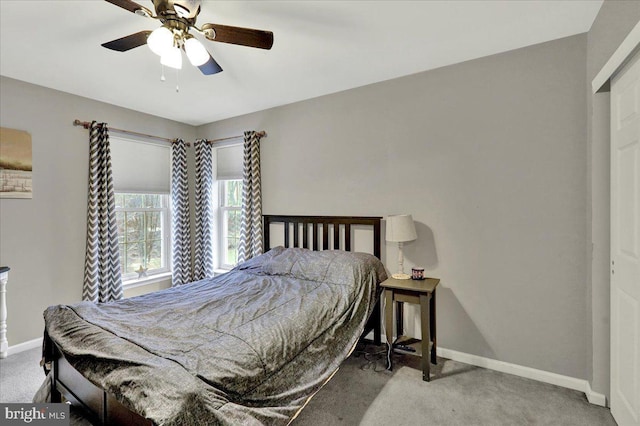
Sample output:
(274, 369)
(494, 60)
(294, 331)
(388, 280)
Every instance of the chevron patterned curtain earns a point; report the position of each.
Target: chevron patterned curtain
(250, 243)
(203, 261)
(180, 229)
(102, 275)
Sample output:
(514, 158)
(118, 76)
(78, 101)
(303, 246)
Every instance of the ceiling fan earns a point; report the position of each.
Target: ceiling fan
(178, 17)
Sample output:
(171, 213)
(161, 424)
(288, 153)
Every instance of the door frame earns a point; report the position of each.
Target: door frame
(617, 61)
(601, 83)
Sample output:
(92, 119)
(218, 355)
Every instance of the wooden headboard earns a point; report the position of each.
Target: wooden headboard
(337, 224)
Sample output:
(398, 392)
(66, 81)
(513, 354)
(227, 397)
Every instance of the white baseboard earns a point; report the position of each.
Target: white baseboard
(526, 372)
(25, 346)
(594, 397)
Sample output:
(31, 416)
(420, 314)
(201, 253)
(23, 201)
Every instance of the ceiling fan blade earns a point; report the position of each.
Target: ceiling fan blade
(132, 6)
(210, 67)
(128, 42)
(238, 35)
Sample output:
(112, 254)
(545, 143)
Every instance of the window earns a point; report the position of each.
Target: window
(230, 192)
(143, 233)
(141, 179)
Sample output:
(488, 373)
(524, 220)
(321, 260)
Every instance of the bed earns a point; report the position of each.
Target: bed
(251, 346)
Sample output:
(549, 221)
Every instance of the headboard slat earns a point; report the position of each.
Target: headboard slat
(296, 234)
(325, 236)
(347, 237)
(286, 234)
(305, 235)
(315, 236)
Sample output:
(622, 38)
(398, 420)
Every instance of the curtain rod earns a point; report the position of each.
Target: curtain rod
(87, 124)
(261, 134)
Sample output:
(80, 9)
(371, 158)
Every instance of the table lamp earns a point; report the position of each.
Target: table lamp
(400, 228)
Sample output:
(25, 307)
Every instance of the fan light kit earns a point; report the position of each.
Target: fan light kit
(168, 41)
(167, 45)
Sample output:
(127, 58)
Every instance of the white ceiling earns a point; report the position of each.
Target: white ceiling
(320, 47)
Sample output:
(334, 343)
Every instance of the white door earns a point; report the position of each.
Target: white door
(625, 245)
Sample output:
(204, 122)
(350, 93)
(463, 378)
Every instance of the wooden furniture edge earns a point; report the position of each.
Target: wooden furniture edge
(98, 405)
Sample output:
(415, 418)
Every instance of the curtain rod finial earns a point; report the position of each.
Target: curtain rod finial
(84, 124)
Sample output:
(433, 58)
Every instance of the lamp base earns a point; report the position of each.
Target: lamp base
(401, 276)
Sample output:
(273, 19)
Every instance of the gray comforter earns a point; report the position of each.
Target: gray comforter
(247, 347)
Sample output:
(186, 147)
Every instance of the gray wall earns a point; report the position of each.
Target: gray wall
(43, 239)
(613, 23)
(490, 158)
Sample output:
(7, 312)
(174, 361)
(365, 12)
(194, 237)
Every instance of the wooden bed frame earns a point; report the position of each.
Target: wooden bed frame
(101, 408)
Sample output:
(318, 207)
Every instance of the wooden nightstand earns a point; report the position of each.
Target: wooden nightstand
(422, 293)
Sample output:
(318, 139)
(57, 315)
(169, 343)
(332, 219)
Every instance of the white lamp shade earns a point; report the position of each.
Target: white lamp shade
(196, 52)
(160, 40)
(172, 58)
(400, 228)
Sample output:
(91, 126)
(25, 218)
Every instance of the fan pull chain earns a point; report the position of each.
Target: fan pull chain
(162, 78)
(177, 87)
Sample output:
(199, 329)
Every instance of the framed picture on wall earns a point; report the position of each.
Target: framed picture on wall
(15, 164)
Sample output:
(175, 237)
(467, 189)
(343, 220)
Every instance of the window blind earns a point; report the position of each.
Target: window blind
(140, 166)
(229, 162)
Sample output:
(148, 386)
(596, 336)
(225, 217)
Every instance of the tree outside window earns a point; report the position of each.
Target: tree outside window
(143, 233)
